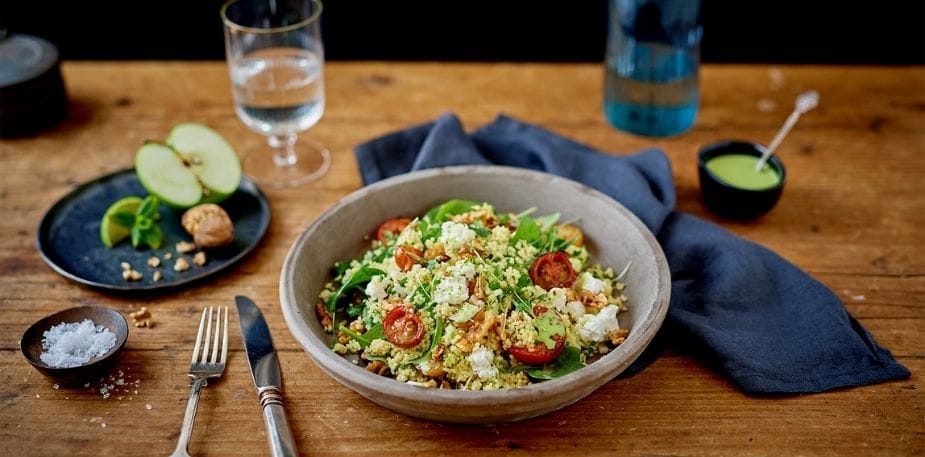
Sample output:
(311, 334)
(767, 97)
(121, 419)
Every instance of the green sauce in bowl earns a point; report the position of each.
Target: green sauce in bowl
(738, 170)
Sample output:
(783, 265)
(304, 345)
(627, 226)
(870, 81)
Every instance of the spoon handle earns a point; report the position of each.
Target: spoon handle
(784, 130)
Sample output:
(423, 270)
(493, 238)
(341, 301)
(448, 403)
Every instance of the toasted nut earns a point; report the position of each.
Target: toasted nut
(154, 262)
(181, 264)
(209, 224)
(125, 266)
(157, 276)
(168, 255)
(142, 318)
(618, 336)
(185, 246)
(199, 258)
(322, 312)
(131, 275)
(376, 366)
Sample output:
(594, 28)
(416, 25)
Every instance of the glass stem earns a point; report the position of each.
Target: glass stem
(283, 149)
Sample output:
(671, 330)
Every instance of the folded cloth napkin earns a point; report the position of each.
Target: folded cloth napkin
(746, 311)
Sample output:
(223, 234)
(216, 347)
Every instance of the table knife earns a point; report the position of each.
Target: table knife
(261, 355)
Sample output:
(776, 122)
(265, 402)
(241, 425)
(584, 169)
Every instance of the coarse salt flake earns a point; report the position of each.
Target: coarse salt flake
(72, 344)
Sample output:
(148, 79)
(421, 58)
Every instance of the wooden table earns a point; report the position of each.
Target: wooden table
(853, 216)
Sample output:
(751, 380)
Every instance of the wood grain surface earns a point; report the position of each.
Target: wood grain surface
(852, 215)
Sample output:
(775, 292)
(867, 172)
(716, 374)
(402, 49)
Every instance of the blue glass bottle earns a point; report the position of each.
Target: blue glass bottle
(651, 83)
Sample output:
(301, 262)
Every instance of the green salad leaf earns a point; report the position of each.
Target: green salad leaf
(567, 362)
(547, 326)
(365, 339)
(361, 276)
(443, 212)
(527, 230)
(438, 334)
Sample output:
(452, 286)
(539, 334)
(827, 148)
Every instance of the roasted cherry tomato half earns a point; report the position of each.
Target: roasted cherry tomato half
(406, 257)
(540, 354)
(552, 270)
(393, 226)
(403, 328)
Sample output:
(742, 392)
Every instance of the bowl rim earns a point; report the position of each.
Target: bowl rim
(716, 149)
(596, 371)
(52, 319)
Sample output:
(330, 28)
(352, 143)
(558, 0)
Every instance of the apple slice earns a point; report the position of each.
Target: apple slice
(196, 166)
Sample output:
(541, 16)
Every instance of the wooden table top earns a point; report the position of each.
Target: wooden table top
(852, 215)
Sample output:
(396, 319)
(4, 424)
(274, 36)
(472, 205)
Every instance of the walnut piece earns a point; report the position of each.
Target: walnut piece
(142, 318)
(131, 275)
(181, 265)
(154, 262)
(199, 258)
(184, 246)
(209, 224)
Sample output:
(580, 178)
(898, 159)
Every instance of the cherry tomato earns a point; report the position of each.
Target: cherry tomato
(393, 226)
(540, 354)
(552, 270)
(406, 257)
(403, 328)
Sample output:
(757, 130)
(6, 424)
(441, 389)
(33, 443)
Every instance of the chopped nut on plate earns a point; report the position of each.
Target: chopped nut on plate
(199, 258)
(185, 246)
(125, 266)
(181, 264)
(157, 276)
(131, 275)
(154, 262)
(168, 255)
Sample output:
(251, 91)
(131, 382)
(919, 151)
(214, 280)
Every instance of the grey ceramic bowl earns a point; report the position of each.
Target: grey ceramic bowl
(614, 237)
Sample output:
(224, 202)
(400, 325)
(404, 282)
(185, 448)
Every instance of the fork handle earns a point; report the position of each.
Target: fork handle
(187, 429)
(274, 416)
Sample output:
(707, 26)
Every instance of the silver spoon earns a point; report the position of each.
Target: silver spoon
(805, 102)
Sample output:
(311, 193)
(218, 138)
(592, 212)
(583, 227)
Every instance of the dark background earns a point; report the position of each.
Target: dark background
(780, 31)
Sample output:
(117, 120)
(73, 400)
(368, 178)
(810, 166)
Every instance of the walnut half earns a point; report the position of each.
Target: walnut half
(209, 224)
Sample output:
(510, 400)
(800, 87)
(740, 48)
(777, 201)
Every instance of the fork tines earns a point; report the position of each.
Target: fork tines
(221, 331)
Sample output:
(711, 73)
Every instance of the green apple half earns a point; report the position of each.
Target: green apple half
(196, 165)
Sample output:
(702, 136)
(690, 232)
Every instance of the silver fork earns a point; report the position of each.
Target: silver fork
(204, 366)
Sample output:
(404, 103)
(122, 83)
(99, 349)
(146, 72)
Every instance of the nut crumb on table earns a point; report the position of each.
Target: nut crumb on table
(142, 318)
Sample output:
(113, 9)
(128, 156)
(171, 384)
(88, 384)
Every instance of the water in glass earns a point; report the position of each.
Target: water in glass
(279, 91)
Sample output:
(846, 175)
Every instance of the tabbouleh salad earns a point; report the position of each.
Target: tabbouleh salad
(466, 298)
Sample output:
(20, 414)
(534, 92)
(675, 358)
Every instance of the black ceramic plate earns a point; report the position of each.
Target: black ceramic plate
(69, 236)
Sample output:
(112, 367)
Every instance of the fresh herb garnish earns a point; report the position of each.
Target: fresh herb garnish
(144, 230)
(361, 276)
(567, 362)
(438, 334)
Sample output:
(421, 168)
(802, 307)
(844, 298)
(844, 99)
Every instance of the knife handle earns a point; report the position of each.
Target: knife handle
(274, 416)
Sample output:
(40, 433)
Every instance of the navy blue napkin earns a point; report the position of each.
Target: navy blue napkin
(741, 308)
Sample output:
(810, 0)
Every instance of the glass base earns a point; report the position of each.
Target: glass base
(285, 162)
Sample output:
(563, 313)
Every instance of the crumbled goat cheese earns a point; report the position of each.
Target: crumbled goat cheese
(452, 290)
(591, 284)
(453, 235)
(596, 328)
(376, 287)
(462, 269)
(480, 360)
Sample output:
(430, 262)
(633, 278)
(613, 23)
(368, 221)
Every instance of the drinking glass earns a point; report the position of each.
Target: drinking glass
(276, 64)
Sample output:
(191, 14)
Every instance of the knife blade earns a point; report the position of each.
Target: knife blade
(264, 364)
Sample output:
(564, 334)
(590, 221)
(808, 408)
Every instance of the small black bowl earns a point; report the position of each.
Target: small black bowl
(31, 343)
(732, 202)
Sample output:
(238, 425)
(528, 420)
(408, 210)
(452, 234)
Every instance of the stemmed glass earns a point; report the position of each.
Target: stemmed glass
(276, 64)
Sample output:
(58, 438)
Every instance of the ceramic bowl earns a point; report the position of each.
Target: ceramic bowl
(31, 343)
(732, 202)
(614, 237)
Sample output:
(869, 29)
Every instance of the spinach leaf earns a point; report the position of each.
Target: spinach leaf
(527, 230)
(361, 276)
(365, 339)
(438, 334)
(567, 362)
(547, 220)
(443, 212)
(480, 229)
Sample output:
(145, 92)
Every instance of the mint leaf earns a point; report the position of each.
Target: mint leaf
(148, 207)
(124, 218)
(154, 237)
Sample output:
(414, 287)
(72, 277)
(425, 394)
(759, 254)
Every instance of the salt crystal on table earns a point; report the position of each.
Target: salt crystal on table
(72, 344)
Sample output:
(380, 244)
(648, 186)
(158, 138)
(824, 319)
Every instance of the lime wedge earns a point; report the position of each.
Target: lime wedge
(111, 231)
